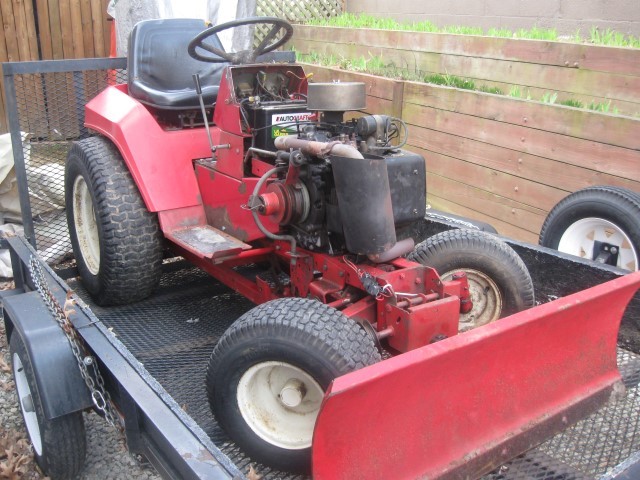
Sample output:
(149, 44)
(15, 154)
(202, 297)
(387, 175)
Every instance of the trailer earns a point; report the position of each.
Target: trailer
(393, 419)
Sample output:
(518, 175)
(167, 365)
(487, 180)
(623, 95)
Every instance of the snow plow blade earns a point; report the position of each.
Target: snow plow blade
(461, 407)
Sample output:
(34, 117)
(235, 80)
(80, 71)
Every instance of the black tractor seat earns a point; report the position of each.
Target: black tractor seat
(161, 71)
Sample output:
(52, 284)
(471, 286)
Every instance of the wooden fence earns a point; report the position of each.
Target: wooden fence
(65, 29)
(585, 73)
(503, 160)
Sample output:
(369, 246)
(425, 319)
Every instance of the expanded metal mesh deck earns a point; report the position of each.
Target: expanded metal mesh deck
(173, 333)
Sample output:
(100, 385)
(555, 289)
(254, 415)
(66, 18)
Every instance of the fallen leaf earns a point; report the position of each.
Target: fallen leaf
(253, 475)
(7, 386)
(4, 366)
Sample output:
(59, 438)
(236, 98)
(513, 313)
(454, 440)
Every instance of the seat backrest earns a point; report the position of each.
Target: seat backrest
(161, 71)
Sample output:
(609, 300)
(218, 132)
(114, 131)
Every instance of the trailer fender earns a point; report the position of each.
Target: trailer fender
(60, 385)
(460, 407)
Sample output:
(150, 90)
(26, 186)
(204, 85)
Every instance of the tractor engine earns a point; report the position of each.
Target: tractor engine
(342, 186)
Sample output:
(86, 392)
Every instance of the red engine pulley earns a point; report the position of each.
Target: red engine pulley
(284, 203)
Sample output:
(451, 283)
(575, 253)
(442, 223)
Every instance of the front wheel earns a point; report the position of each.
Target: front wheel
(499, 281)
(267, 376)
(59, 444)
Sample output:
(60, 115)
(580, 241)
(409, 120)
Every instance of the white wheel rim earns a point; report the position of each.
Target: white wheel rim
(485, 296)
(84, 220)
(579, 239)
(280, 403)
(26, 404)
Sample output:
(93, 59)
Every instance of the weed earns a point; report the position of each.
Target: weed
(500, 32)
(549, 97)
(488, 89)
(536, 33)
(572, 103)
(612, 38)
(604, 107)
(450, 81)
(517, 92)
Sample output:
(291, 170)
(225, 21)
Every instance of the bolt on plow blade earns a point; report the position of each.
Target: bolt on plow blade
(463, 406)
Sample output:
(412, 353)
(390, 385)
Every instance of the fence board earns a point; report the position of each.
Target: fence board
(523, 217)
(11, 42)
(46, 47)
(54, 30)
(76, 26)
(611, 129)
(501, 226)
(97, 17)
(590, 57)
(538, 169)
(87, 31)
(518, 189)
(31, 30)
(601, 157)
(64, 7)
(21, 34)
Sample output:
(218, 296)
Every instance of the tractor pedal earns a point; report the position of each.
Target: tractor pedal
(206, 241)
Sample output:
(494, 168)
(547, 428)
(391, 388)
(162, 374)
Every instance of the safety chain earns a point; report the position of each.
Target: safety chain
(86, 363)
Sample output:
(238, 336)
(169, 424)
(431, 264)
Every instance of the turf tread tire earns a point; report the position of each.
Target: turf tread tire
(301, 328)
(64, 443)
(618, 205)
(462, 248)
(130, 238)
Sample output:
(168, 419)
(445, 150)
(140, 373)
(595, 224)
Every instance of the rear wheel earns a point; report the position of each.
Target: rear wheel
(59, 444)
(267, 376)
(598, 223)
(115, 239)
(499, 281)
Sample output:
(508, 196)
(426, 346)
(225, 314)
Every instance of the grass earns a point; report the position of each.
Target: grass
(450, 81)
(604, 107)
(375, 65)
(598, 37)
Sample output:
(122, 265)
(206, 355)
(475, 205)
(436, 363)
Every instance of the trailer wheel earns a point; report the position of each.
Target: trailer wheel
(499, 281)
(597, 223)
(268, 373)
(59, 444)
(115, 239)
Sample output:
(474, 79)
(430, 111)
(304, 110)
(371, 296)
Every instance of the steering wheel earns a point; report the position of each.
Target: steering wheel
(267, 44)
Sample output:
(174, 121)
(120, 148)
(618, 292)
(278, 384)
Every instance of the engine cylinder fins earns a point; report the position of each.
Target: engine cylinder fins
(364, 201)
(336, 96)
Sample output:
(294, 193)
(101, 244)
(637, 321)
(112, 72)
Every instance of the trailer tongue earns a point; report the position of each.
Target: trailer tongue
(463, 406)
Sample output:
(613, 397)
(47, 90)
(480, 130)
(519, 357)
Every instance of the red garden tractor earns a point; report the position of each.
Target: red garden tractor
(236, 162)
